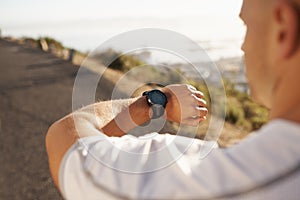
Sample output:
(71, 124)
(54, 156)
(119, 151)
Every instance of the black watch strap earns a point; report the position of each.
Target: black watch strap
(157, 110)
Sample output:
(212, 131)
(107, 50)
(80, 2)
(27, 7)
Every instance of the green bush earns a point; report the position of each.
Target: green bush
(241, 111)
(234, 114)
(125, 63)
(116, 60)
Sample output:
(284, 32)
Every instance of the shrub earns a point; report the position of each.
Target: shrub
(115, 60)
(51, 41)
(234, 112)
(241, 111)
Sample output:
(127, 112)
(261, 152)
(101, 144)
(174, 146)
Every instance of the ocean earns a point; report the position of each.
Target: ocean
(219, 39)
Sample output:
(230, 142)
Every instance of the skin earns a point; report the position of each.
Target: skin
(184, 103)
(254, 47)
(272, 55)
(272, 58)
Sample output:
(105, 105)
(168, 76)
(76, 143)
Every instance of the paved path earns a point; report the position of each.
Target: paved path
(35, 90)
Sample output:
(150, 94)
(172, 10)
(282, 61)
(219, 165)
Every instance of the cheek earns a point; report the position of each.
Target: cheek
(255, 37)
(254, 49)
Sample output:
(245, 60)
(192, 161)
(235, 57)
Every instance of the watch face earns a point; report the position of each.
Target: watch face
(158, 97)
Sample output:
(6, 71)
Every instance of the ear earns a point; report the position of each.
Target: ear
(287, 26)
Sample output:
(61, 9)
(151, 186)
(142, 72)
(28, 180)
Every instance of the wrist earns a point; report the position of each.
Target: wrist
(140, 111)
(170, 96)
(134, 115)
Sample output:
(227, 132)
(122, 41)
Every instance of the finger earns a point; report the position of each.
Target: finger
(198, 112)
(191, 88)
(203, 118)
(202, 111)
(199, 94)
(199, 101)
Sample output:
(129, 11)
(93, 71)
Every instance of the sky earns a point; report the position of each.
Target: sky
(29, 11)
(82, 24)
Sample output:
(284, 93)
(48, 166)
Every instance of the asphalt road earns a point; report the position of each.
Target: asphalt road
(35, 90)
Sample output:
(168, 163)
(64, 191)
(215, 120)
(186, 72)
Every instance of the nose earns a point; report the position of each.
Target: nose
(243, 46)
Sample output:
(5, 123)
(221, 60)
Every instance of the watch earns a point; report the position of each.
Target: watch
(158, 101)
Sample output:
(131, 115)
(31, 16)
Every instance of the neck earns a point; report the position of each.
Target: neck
(286, 101)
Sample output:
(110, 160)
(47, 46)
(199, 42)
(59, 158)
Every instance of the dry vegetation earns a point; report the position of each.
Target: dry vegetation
(242, 114)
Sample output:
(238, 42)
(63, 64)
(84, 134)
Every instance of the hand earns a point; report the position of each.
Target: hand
(185, 104)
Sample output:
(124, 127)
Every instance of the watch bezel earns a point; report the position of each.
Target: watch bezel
(157, 108)
(152, 101)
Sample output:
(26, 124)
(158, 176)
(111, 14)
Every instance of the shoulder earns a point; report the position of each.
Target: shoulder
(59, 138)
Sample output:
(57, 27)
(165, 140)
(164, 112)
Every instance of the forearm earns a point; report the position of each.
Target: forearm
(85, 122)
(117, 117)
(132, 116)
(103, 116)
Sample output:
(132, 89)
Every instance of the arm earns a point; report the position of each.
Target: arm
(184, 103)
(64, 133)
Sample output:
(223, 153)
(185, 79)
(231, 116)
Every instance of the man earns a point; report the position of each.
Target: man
(265, 166)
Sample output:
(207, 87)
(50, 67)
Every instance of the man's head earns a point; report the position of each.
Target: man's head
(271, 44)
